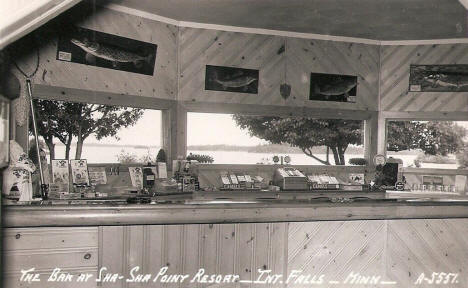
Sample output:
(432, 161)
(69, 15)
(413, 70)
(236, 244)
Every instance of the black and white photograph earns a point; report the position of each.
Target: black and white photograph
(85, 46)
(332, 87)
(231, 79)
(439, 78)
(234, 144)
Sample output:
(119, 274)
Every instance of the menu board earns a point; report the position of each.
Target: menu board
(79, 170)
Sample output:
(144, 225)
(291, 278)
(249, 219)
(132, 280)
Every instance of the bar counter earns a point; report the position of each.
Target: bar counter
(199, 212)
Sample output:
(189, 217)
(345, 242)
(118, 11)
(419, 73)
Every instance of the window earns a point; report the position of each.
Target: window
(428, 144)
(98, 133)
(238, 139)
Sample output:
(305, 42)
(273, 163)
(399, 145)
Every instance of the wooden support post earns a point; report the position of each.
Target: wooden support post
(174, 127)
(371, 138)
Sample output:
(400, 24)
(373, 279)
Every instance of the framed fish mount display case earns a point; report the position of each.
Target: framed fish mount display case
(438, 78)
(333, 87)
(84, 46)
(231, 79)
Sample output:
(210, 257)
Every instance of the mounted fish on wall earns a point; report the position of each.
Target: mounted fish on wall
(230, 79)
(100, 49)
(333, 87)
(438, 78)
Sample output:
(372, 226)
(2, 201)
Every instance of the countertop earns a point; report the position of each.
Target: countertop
(229, 211)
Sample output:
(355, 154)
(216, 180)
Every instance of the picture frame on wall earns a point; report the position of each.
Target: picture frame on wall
(438, 78)
(333, 87)
(89, 47)
(231, 79)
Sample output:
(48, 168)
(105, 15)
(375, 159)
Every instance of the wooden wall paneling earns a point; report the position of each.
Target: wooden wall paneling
(220, 248)
(394, 79)
(261, 252)
(199, 47)
(191, 250)
(155, 251)
(136, 251)
(163, 84)
(113, 253)
(427, 246)
(245, 247)
(174, 257)
(336, 249)
(210, 248)
(305, 56)
(73, 249)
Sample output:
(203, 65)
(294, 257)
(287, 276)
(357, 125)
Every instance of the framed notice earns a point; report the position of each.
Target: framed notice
(79, 170)
(136, 175)
(61, 174)
(162, 170)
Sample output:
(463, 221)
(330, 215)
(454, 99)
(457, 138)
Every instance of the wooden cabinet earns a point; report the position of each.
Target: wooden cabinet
(73, 250)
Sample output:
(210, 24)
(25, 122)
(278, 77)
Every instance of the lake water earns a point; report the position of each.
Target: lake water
(108, 154)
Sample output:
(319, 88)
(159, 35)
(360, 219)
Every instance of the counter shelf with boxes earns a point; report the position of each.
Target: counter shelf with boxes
(240, 181)
(289, 179)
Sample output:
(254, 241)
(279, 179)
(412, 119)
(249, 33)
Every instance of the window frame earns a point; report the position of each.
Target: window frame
(370, 119)
(45, 92)
(388, 116)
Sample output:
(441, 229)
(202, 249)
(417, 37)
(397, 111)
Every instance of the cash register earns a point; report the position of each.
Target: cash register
(289, 178)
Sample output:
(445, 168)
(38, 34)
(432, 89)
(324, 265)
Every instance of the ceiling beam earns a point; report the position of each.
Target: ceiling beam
(464, 3)
(18, 18)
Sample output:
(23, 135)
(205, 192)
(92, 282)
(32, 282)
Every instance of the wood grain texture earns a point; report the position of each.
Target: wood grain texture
(201, 47)
(163, 84)
(336, 249)
(72, 249)
(318, 56)
(184, 249)
(279, 59)
(394, 78)
(426, 246)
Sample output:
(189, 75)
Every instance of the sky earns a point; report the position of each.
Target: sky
(212, 129)
(147, 131)
(202, 129)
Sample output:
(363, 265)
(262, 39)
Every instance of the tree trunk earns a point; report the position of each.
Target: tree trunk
(50, 144)
(79, 148)
(341, 155)
(335, 155)
(308, 152)
(79, 144)
(328, 155)
(67, 148)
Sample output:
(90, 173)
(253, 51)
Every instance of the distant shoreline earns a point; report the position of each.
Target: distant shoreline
(266, 148)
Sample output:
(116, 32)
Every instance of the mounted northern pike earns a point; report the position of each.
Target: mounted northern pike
(113, 54)
(336, 87)
(457, 81)
(235, 82)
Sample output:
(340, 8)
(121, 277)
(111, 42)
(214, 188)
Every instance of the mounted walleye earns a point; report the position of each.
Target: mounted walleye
(332, 87)
(230, 79)
(438, 78)
(94, 48)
